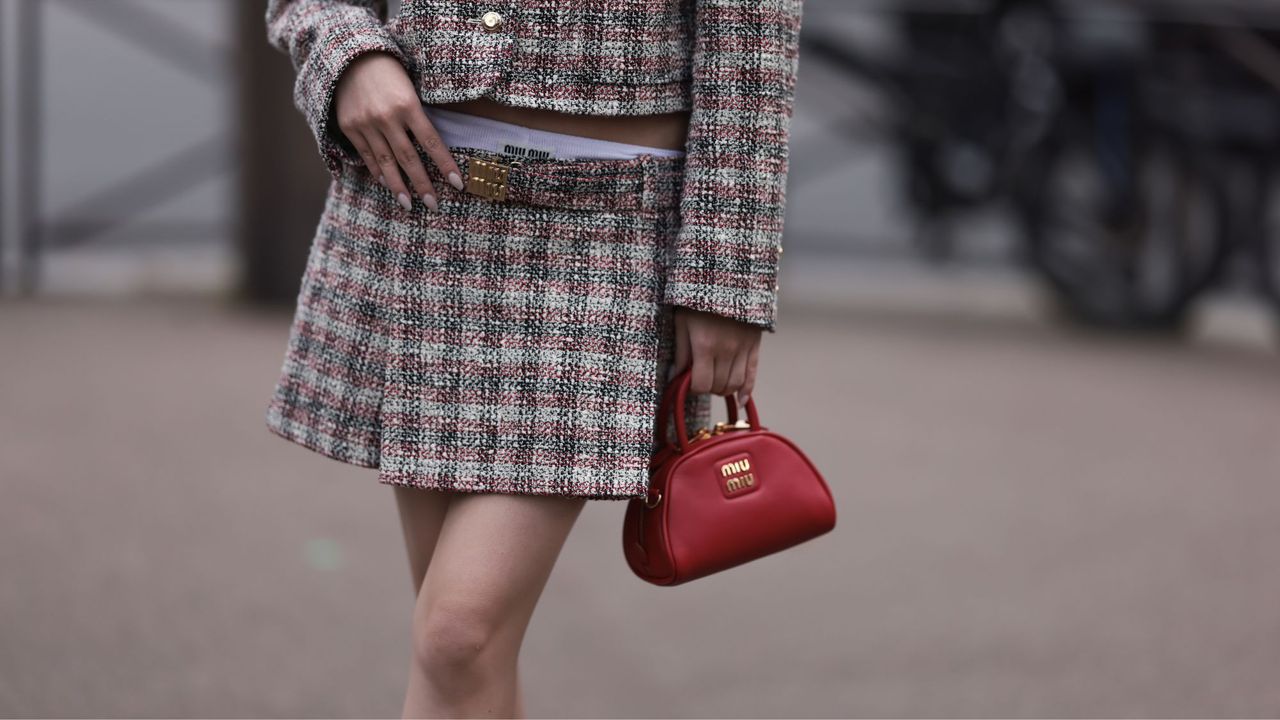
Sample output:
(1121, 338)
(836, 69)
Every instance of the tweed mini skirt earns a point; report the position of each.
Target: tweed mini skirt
(509, 342)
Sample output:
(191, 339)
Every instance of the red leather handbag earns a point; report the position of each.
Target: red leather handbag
(724, 497)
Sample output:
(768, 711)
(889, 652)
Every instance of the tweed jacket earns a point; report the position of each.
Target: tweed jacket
(731, 63)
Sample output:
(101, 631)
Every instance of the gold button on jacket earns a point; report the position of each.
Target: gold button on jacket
(492, 21)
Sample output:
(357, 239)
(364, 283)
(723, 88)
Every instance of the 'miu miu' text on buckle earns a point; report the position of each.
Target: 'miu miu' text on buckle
(487, 178)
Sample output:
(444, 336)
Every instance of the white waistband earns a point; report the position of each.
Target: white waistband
(458, 129)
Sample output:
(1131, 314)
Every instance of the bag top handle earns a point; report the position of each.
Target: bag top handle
(677, 391)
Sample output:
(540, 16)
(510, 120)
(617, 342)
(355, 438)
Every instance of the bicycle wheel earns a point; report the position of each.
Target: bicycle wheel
(1268, 242)
(1130, 255)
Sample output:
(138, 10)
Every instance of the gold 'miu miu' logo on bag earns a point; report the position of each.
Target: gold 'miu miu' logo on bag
(737, 475)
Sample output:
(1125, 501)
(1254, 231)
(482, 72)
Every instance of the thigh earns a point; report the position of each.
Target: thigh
(422, 513)
(494, 555)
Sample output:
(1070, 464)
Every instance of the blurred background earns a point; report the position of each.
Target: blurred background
(1028, 324)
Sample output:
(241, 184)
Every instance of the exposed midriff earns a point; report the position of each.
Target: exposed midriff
(665, 130)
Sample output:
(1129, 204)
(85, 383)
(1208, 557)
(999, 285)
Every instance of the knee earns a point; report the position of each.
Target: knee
(455, 642)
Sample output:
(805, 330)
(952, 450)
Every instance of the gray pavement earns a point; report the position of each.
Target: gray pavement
(1032, 523)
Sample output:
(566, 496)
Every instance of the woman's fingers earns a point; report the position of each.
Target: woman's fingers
(408, 158)
(749, 381)
(711, 357)
(701, 352)
(738, 372)
(390, 139)
(702, 374)
(721, 352)
(681, 359)
(425, 133)
(366, 154)
(722, 362)
(388, 167)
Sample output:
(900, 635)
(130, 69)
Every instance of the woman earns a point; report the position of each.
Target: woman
(539, 212)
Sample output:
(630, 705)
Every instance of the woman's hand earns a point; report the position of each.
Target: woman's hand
(375, 102)
(724, 351)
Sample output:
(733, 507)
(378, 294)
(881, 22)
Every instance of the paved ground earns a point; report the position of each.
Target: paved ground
(1032, 523)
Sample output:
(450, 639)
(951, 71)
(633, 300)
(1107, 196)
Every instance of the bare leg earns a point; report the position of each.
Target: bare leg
(493, 556)
(518, 711)
(421, 517)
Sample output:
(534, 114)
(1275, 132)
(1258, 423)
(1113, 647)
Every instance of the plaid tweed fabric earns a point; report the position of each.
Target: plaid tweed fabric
(732, 63)
(511, 346)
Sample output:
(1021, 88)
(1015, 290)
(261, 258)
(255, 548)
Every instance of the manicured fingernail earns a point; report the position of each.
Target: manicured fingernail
(742, 398)
(383, 180)
(405, 201)
(455, 181)
(430, 201)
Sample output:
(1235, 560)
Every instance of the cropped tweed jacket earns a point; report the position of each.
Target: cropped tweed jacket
(732, 63)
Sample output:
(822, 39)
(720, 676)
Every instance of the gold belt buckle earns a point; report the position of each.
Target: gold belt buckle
(487, 178)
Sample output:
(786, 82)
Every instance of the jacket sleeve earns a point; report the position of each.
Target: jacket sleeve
(323, 37)
(725, 258)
